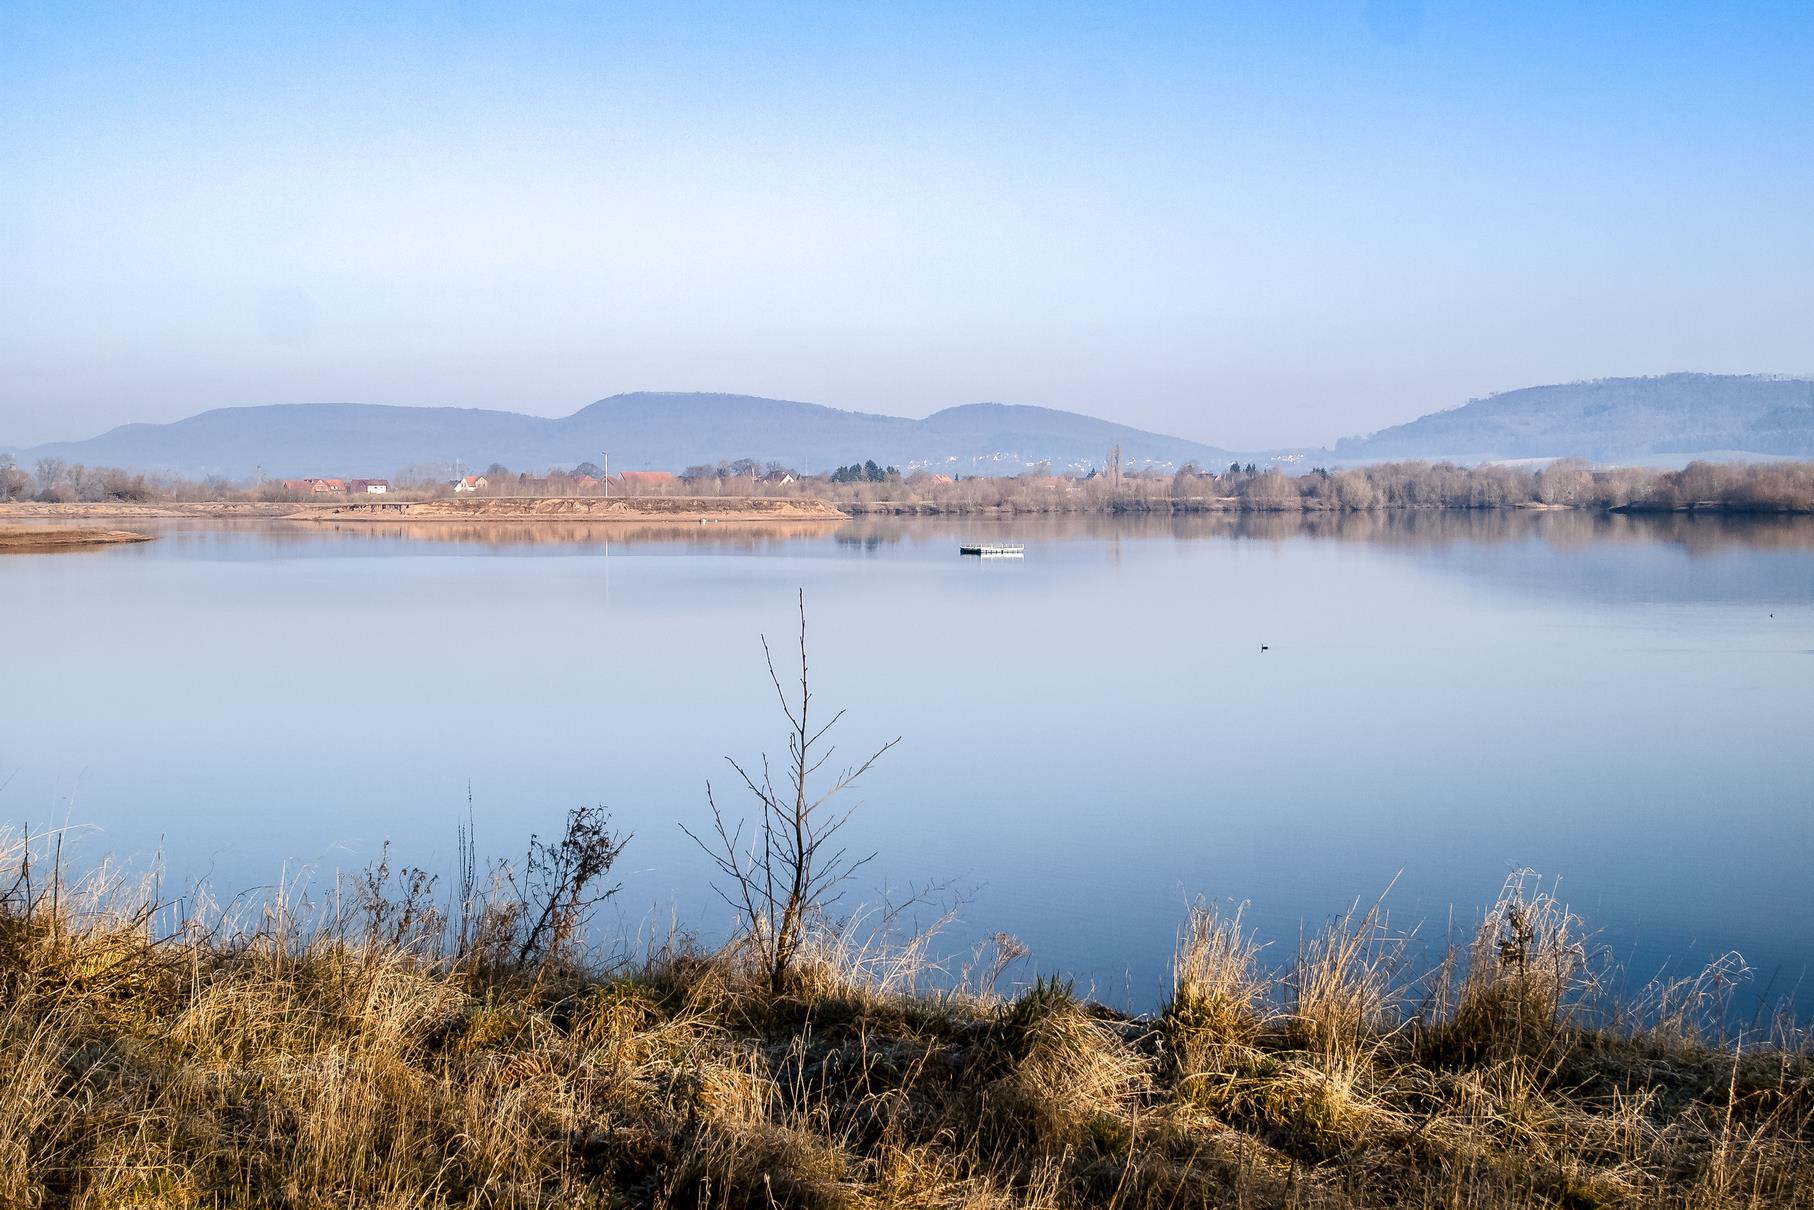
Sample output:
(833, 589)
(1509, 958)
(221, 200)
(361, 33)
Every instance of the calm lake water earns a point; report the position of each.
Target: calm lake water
(1092, 736)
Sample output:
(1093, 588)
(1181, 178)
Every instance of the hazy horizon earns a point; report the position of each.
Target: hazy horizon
(1248, 227)
(553, 414)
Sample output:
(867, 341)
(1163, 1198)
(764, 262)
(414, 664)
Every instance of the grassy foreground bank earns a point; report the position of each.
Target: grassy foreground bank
(383, 1051)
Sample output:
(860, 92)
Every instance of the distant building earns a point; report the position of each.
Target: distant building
(471, 483)
(368, 487)
(585, 482)
(314, 485)
(633, 480)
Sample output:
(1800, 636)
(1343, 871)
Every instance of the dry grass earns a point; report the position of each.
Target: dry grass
(345, 1061)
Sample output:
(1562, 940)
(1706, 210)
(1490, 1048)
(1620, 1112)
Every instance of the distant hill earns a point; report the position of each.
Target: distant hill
(646, 430)
(1611, 419)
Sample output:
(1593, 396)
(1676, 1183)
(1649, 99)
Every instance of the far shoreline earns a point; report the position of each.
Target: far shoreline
(682, 509)
(515, 509)
(1777, 488)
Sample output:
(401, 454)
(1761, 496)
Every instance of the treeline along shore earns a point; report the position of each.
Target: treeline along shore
(730, 492)
(1748, 488)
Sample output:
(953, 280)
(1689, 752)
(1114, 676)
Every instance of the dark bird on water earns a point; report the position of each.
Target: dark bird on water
(1264, 647)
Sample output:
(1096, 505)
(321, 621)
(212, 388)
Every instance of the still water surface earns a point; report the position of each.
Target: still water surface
(1092, 736)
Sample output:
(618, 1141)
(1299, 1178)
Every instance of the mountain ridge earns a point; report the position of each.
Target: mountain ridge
(1663, 417)
(1605, 419)
(636, 430)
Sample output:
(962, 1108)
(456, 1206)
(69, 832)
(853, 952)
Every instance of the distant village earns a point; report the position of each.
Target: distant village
(498, 479)
(374, 487)
(1006, 479)
(1124, 485)
(731, 477)
(589, 479)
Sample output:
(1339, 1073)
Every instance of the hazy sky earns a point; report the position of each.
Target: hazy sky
(1244, 223)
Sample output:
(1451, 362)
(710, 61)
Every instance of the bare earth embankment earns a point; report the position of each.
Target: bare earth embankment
(699, 509)
(25, 539)
(117, 509)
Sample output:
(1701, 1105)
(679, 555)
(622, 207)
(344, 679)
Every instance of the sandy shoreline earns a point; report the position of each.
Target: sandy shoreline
(520, 509)
(671, 509)
(32, 509)
(26, 539)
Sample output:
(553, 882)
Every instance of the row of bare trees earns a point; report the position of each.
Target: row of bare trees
(55, 481)
(1758, 487)
(1748, 487)
(1738, 487)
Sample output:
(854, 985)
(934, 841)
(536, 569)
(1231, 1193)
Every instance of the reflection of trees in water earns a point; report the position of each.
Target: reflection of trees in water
(868, 543)
(1697, 533)
(725, 535)
(1564, 529)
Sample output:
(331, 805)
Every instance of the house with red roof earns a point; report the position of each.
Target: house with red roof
(635, 481)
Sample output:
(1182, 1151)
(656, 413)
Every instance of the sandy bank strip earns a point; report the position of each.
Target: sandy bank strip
(22, 539)
(116, 510)
(670, 509)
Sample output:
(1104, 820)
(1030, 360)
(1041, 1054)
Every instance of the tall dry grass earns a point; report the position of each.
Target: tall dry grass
(361, 1054)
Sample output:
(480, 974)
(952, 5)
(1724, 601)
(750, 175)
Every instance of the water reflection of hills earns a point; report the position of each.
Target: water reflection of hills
(1631, 559)
(1637, 558)
(1697, 534)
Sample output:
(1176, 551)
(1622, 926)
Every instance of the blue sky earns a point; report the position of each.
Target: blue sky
(1250, 224)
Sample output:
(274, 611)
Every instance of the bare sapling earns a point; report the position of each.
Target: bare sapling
(513, 918)
(562, 883)
(397, 907)
(783, 868)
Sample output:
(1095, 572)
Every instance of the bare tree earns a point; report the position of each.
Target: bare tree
(514, 918)
(15, 484)
(562, 883)
(49, 474)
(782, 868)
